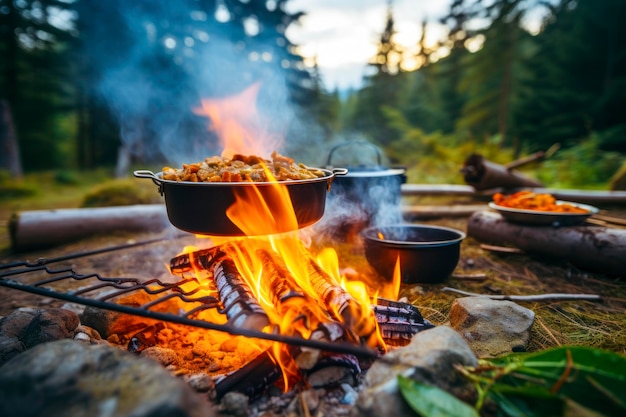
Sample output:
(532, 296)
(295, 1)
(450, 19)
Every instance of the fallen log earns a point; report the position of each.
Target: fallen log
(39, 229)
(483, 174)
(594, 248)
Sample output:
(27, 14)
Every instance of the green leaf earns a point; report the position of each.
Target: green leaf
(594, 378)
(430, 401)
(529, 401)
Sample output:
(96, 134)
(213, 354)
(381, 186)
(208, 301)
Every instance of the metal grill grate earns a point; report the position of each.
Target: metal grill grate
(64, 283)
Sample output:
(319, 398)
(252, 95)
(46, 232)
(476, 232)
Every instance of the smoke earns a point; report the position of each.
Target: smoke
(156, 60)
(369, 195)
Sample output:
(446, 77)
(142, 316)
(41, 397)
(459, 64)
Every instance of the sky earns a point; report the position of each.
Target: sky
(343, 34)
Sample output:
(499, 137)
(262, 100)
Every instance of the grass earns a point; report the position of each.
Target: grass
(63, 189)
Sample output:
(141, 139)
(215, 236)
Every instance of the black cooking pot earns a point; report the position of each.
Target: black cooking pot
(372, 190)
(427, 254)
(200, 207)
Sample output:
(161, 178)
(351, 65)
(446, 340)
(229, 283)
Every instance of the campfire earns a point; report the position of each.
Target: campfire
(273, 277)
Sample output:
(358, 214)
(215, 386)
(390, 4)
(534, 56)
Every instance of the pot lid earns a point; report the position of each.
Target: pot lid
(375, 169)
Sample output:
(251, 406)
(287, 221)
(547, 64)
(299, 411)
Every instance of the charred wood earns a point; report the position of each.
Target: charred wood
(398, 322)
(340, 304)
(145, 338)
(252, 379)
(333, 369)
(239, 304)
(308, 358)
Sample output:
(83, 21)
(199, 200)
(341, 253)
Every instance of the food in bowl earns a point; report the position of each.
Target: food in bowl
(242, 168)
(527, 200)
(427, 254)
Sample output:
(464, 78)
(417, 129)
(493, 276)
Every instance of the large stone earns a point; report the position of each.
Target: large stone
(69, 378)
(48, 325)
(430, 358)
(492, 327)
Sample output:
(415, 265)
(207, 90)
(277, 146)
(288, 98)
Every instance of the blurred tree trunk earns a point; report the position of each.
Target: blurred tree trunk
(9, 149)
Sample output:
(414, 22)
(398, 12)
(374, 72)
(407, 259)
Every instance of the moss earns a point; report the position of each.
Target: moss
(123, 192)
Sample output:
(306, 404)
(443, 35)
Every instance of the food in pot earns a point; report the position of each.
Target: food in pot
(239, 168)
(527, 200)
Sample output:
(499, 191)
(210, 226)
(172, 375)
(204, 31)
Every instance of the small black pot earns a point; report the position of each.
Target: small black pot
(428, 254)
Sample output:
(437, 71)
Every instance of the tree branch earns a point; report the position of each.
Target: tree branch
(529, 298)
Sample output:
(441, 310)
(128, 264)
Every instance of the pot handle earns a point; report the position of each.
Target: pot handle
(144, 173)
(358, 143)
(340, 171)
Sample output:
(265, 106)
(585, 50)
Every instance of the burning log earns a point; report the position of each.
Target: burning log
(399, 322)
(291, 301)
(286, 296)
(340, 304)
(594, 248)
(145, 338)
(332, 369)
(200, 260)
(239, 304)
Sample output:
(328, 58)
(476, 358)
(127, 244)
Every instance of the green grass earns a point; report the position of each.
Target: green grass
(60, 189)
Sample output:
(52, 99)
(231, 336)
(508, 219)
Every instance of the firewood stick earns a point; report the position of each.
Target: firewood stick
(341, 304)
(529, 298)
(537, 156)
(240, 306)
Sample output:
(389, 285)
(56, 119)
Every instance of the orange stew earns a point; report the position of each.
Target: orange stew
(528, 200)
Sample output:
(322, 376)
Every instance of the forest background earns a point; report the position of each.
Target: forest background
(93, 89)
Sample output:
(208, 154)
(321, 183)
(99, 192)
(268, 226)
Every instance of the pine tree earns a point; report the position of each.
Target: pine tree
(381, 88)
(33, 73)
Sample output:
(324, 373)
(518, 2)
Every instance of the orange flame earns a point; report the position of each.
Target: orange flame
(237, 124)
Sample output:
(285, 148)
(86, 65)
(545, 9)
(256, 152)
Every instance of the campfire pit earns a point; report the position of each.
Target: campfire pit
(149, 313)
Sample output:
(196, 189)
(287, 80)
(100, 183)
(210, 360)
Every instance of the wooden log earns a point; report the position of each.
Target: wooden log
(483, 174)
(409, 190)
(434, 212)
(252, 379)
(39, 229)
(341, 305)
(593, 248)
(239, 303)
(581, 196)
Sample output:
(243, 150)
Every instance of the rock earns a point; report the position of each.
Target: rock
(160, 354)
(88, 335)
(66, 377)
(492, 327)
(34, 326)
(10, 347)
(430, 358)
(99, 319)
(235, 403)
(200, 382)
(13, 324)
(49, 325)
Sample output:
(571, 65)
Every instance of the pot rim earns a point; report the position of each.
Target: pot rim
(375, 173)
(158, 179)
(370, 235)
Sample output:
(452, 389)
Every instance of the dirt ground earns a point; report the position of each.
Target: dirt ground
(600, 323)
